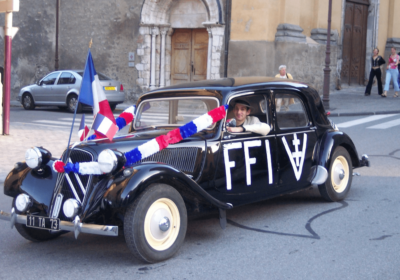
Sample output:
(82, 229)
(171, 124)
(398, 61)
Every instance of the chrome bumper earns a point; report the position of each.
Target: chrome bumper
(76, 226)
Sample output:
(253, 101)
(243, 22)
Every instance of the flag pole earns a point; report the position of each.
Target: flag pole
(76, 106)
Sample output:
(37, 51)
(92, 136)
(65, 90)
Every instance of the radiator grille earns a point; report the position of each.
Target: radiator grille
(67, 190)
(183, 159)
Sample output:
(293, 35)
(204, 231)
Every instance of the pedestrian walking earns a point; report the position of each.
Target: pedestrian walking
(376, 62)
(392, 73)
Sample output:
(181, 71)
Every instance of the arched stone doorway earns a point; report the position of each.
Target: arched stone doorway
(159, 20)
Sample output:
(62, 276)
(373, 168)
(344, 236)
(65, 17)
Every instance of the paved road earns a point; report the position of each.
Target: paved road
(296, 236)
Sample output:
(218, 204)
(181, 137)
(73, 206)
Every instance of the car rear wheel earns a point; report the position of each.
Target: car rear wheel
(27, 101)
(155, 224)
(339, 180)
(71, 103)
(113, 106)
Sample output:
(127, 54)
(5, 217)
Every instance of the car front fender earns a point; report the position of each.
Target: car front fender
(39, 185)
(123, 192)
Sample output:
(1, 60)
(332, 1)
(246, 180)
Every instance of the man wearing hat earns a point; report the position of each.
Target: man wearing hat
(244, 122)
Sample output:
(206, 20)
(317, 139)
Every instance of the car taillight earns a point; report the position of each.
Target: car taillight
(121, 88)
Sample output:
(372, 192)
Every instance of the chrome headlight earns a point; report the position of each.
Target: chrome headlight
(71, 208)
(107, 161)
(23, 202)
(33, 157)
(37, 156)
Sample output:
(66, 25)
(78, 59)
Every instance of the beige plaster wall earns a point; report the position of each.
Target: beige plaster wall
(255, 20)
(383, 25)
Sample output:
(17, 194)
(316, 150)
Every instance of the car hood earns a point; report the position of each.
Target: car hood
(125, 143)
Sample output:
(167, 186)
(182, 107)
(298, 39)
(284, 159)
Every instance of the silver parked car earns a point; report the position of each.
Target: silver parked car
(61, 88)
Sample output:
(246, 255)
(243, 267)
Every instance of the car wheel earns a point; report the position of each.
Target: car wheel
(340, 176)
(113, 106)
(71, 103)
(155, 224)
(36, 235)
(27, 101)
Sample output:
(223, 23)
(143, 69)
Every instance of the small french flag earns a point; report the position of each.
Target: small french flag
(105, 126)
(83, 129)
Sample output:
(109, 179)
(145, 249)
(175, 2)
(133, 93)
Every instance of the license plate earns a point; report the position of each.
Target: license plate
(110, 88)
(42, 222)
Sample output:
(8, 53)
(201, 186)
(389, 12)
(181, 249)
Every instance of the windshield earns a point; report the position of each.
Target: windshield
(172, 111)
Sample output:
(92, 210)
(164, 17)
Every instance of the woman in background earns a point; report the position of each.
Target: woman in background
(393, 73)
(376, 62)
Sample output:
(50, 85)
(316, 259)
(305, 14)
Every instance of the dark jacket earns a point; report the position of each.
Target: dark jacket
(377, 62)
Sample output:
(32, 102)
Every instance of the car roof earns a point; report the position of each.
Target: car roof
(227, 85)
(224, 88)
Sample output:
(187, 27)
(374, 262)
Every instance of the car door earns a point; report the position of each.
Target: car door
(43, 92)
(247, 160)
(65, 83)
(296, 137)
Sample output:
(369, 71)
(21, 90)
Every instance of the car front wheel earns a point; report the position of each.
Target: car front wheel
(155, 224)
(339, 180)
(27, 101)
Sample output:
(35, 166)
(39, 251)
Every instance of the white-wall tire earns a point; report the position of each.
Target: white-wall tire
(147, 233)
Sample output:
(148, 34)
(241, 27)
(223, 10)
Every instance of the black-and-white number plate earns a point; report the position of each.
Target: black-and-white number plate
(42, 222)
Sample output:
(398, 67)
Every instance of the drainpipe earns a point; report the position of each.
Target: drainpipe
(228, 9)
(7, 72)
(56, 65)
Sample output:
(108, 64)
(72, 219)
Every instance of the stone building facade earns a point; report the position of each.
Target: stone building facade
(138, 42)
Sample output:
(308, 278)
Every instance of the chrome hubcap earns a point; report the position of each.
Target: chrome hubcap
(164, 224)
(340, 174)
(27, 101)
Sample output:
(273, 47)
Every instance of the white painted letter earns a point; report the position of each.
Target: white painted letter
(248, 159)
(229, 164)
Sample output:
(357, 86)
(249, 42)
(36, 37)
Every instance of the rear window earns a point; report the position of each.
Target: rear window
(102, 77)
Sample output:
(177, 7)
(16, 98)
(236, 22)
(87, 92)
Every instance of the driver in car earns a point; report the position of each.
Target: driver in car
(243, 122)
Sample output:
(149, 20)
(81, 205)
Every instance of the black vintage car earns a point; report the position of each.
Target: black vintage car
(213, 169)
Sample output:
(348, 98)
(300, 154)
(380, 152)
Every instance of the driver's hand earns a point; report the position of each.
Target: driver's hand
(235, 129)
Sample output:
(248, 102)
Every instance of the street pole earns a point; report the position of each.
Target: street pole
(327, 69)
(7, 73)
(56, 66)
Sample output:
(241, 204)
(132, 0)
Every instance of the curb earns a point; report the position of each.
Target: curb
(363, 113)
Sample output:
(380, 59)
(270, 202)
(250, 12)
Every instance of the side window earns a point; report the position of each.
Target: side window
(66, 79)
(258, 107)
(290, 111)
(50, 79)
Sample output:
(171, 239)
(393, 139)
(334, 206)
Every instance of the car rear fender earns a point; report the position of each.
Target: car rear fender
(69, 93)
(327, 145)
(124, 190)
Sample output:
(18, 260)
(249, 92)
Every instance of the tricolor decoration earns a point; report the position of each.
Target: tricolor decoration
(125, 118)
(105, 126)
(174, 136)
(153, 146)
(83, 129)
(83, 168)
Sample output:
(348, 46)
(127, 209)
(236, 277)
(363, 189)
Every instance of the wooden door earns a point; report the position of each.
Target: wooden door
(189, 55)
(354, 41)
